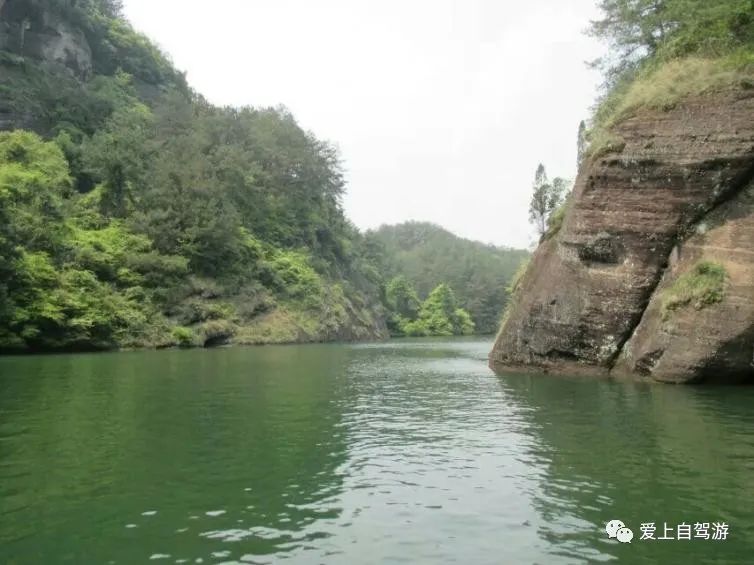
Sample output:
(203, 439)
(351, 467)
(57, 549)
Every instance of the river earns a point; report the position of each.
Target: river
(399, 452)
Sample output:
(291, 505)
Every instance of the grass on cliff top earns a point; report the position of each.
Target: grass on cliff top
(662, 86)
(703, 285)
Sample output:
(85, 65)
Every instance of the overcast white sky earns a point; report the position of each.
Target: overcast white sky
(441, 108)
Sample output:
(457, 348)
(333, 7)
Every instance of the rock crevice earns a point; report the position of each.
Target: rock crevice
(591, 289)
(738, 192)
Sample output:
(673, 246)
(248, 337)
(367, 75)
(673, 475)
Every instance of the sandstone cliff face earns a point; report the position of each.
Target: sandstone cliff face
(703, 342)
(595, 284)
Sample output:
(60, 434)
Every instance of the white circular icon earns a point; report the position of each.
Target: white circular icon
(612, 528)
(624, 535)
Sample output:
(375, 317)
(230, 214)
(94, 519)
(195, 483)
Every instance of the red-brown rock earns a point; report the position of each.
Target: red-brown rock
(588, 287)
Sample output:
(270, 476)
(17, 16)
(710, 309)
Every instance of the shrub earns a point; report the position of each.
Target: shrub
(291, 274)
(70, 308)
(184, 336)
(103, 251)
(703, 285)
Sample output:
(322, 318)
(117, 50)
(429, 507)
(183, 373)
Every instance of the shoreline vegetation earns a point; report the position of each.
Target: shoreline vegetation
(135, 214)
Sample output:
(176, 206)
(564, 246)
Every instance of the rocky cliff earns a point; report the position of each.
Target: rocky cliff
(29, 28)
(652, 272)
(35, 37)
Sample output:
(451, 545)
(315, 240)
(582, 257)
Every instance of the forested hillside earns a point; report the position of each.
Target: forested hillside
(426, 256)
(135, 213)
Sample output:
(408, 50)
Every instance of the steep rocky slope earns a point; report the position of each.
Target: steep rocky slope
(669, 190)
(699, 341)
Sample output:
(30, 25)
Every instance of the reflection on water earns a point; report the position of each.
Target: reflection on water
(639, 453)
(402, 452)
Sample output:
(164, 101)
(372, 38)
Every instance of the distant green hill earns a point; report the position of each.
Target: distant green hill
(428, 255)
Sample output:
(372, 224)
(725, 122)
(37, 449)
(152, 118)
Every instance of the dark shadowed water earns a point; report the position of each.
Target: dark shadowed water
(402, 452)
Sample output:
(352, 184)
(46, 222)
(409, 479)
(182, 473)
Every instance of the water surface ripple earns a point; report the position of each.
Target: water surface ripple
(409, 451)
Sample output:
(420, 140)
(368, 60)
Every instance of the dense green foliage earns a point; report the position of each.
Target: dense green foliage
(65, 283)
(641, 30)
(151, 218)
(438, 315)
(703, 285)
(581, 144)
(425, 256)
(403, 304)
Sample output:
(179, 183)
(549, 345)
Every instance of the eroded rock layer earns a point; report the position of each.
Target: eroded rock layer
(698, 341)
(588, 287)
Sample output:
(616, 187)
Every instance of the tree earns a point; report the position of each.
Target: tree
(402, 303)
(119, 156)
(546, 197)
(637, 30)
(634, 28)
(581, 145)
(63, 282)
(184, 214)
(539, 207)
(560, 187)
(111, 8)
(440, 316)
(33, 180)
(401, 298)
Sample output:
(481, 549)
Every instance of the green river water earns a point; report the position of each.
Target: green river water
(398, 452)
